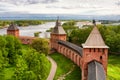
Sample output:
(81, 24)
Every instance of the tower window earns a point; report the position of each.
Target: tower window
(94, 49)
(90, 50)
(102, 50)
(100, 57)
(98, 49)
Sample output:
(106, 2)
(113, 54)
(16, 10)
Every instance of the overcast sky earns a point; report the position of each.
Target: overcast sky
(80, 7)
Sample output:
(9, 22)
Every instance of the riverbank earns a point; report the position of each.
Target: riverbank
(3, 27)
(21, 23)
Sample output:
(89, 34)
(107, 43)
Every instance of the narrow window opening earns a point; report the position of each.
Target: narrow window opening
(90, 50)
(102, 50)
(100, 57)
(98, 49)
(94, 49)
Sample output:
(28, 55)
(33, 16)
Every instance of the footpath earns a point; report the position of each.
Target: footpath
(53, 68)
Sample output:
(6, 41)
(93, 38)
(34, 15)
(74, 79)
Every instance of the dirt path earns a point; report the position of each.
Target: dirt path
(53, 68)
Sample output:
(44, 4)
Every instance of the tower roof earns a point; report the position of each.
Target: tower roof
(58, 29)
(95, 39)
(12, 26)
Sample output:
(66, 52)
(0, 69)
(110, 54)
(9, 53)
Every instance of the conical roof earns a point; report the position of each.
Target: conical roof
(95, 39)
(12, 26)
(58, 29)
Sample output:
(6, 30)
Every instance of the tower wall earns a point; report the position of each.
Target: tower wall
(54, 40)
(13, 32)
(94, 54)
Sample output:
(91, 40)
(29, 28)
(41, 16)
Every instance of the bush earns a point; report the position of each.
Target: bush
(40, 45)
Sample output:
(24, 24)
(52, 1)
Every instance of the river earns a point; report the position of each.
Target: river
(30, 30)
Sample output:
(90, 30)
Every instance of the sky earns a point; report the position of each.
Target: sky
(80, 7)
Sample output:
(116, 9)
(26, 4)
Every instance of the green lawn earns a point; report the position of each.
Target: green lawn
(75, 75)
(114, 67)
(64, 65)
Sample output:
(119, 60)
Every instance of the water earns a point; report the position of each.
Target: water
(30, 30)
(13, 16)
(115, 24)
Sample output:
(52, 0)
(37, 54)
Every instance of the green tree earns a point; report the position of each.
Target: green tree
(3, 53)
(29, 75)
(40, 45)
(21, 68)
(1, 61)
(69, 27)
(79, 36)
(37, 63)
(113, 41)
(13, 48)
(31, 65)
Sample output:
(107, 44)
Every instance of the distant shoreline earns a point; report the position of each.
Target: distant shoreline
(54, 17)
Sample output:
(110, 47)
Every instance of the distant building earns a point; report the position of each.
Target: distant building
(81, 24)
(14, 30)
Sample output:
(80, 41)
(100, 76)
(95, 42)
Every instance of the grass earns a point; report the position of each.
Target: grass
(64, 65)
(114, 67)
(75, 74)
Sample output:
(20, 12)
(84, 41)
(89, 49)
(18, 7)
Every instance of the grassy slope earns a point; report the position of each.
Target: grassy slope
(114, 67)
(75, 75)
(65, 65)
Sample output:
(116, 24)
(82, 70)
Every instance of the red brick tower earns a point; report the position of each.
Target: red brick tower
(13, 30)
(94, 49)
(58, 33)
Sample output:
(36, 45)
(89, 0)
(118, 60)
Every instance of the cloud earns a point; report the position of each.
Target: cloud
(80, 6)
(118, 3)
(49, 1)
(23, 2)
(4, 7)
(94, 7)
